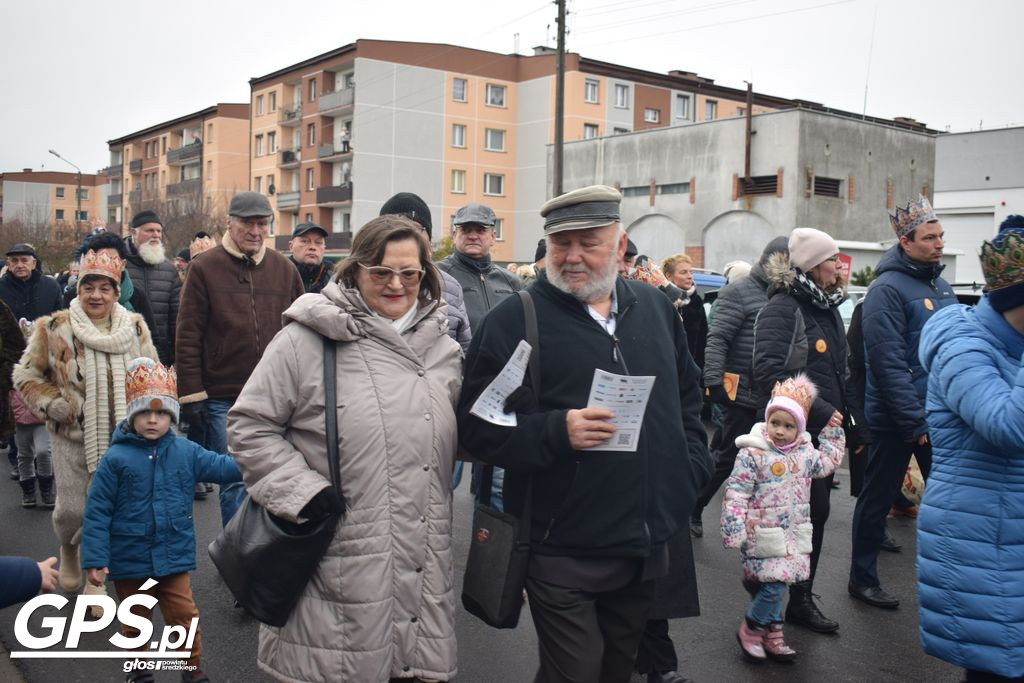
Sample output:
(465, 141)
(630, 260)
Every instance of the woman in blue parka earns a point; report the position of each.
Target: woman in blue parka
(970, 552)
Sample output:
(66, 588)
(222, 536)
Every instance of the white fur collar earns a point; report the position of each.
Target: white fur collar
(756, 438)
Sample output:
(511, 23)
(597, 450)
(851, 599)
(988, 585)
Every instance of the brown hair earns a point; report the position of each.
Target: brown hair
(368, 249)
(668, 266)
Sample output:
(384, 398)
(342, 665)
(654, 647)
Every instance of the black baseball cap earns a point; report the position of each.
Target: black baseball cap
(303, 228)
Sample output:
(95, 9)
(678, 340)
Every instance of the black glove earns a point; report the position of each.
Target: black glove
(194, 414)
(719, 395)
(324, 504)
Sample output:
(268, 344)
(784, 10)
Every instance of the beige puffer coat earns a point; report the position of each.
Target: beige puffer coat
(381, 603)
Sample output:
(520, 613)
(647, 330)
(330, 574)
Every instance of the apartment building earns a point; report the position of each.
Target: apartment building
(49, 197)
(334, 136)
(199, 160)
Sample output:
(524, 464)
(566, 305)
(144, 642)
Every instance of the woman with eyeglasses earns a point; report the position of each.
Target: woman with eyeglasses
(381, 603)
(801, 330)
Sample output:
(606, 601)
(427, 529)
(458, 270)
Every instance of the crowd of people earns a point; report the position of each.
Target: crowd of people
(130, 388)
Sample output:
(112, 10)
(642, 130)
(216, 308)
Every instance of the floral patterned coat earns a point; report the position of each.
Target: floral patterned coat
(766, 509)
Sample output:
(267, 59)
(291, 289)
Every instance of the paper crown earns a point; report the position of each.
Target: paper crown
(97, 263)
(200, 244)
(151, 386)
(914, 215)
(799, 389)
(1002, 260)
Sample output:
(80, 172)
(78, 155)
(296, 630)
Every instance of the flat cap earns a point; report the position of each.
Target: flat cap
(480, 214)
(249, 205)
(588, 207)
(21, 250)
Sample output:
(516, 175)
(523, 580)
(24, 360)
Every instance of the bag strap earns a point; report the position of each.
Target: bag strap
(533, 339)
(331, 410)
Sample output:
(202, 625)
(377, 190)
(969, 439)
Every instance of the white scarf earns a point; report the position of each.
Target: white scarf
(114, 347)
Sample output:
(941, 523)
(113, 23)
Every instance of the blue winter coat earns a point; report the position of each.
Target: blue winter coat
(19, 580)
(138, 517)
(896, 307)
(970, 529)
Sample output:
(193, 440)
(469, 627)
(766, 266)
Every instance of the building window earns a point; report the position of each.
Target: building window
(459, 89)
(163, 145)
(494, 184)
(60, 193)
(495, 95)
(209, 170)
(271, 189)
(826, 187)
(760, 185)
(682, 106)
(60, 214)
(499, 223)
(620, 131)
(257, 184)
(458, 181)
(273, 102)
(271, 142)
(494, 140)
(710, 110)
(621, 96)
(740, 111)
(309, 179)
(590, 89)
(311, 134)
(209, 133)
(259, 145)
(259, 104)
(312, 90)
(589, 131)
(147, 150)
(637, 191)
(674, 188)
(652, 115)
(83, 194)
(458, 135)
(309, 218)
(82, 216)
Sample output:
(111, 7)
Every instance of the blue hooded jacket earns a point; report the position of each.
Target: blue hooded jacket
(970, 529)
(138, 517)
(898, 304)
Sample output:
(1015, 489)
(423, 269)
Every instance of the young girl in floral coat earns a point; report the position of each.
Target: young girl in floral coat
(766, 513)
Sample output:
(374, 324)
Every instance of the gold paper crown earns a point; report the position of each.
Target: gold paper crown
(914, 215)
(798, 388)
(1003, 265)
(95, 263)
(151, 381)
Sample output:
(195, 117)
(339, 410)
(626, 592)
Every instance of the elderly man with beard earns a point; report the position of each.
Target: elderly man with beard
(600, 520)
(157, 277)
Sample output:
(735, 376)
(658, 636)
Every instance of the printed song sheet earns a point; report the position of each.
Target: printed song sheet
(491, 404)
(626, 396)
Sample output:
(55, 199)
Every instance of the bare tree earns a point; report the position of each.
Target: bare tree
(183, 214)
(54, 242)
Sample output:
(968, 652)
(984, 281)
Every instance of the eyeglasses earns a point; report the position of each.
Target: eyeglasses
(383, 275)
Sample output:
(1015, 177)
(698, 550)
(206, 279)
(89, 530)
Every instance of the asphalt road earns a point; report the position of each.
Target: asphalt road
(872, 645)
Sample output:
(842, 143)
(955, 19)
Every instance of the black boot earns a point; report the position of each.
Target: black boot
(28, 492)
(803, 611)
(47, 492)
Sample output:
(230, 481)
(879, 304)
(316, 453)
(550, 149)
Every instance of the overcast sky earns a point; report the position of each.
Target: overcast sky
(78, 74)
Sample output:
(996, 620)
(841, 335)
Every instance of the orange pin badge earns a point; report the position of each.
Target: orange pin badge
(778, 468)
(929, 305)
(820, 346)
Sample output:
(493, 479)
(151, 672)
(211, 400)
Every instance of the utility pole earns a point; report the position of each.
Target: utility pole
(78, 187)
(559, 101)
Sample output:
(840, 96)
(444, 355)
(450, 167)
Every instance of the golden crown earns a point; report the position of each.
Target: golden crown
(914, 215)
(1003, 265)
(799, 389)
(150, 380)
(101, 263)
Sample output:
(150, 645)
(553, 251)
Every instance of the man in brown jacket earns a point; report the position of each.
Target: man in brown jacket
(231, 306)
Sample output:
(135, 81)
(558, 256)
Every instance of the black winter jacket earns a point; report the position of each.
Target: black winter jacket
(605, 503)
(314, 278)
(162, 288)
(482, 290)
(33, 298)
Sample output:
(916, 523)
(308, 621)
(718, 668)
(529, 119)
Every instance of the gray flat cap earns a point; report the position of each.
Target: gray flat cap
(588, 207)
(480, 214)
(249, 205)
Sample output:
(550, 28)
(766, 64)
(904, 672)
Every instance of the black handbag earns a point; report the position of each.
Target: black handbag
(499, 551)
(267, 561)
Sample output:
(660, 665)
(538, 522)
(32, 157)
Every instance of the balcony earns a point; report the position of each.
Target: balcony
(290, 158)
(135, 166)
(334, 195)
(185, 187)
(287, 200)
(134, 196)
(115, 171)
(289, 117)
(334, 102)
(115, 199)
(189, 154)
(332, 152)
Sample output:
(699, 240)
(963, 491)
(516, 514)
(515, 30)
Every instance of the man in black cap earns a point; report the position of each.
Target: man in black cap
(151, 272)
(628, 259)
(600, 519)
(307, 245)
(231, 306)
(26, 291)
(181, 263)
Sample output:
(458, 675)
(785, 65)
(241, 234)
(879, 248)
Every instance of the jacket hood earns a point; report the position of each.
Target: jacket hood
(123, 434)
(779, 272)
(343, 315)
(758, 439)
(779, 245)
(896, 260)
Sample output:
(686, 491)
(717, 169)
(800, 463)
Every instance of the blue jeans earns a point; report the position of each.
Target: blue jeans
(213, 436)
(766, 607)
(497, 486)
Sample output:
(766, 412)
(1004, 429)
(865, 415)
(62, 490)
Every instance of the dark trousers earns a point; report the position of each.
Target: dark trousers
(976, 676)
(821, 506)
(588, 637)
(737, 421)
(657, 651)
(883, 477)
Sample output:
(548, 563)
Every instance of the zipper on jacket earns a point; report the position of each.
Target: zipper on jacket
(617, 356)
(255, 316)
(483, 288)
(554, 517)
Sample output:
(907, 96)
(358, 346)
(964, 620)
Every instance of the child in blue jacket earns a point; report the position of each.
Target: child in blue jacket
(138, 517)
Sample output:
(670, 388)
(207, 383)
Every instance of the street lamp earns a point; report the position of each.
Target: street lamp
(78, 189)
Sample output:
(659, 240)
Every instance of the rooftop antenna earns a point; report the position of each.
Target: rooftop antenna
(867, 75)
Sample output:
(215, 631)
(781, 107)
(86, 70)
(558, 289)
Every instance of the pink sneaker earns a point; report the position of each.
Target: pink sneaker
(775, 644)
(752, 641)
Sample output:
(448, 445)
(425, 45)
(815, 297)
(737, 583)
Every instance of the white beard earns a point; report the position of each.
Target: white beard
(152, 253)
(599, 285)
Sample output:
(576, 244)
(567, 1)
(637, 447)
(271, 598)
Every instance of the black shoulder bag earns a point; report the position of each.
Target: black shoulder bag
(266, 561)
(499, 551)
